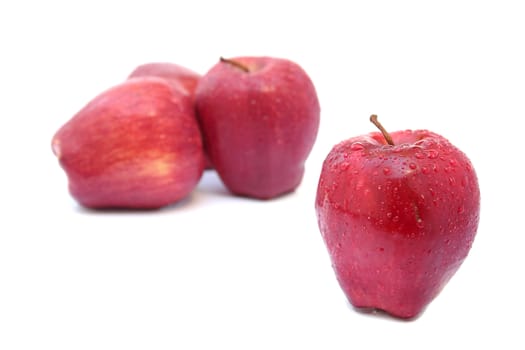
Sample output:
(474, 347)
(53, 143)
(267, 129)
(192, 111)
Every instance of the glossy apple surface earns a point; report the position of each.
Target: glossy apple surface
(136, 145)
(398, 220)
(259, 117)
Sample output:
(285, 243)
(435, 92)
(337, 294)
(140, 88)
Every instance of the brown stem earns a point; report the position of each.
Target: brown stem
(386, 135)
(235, 64)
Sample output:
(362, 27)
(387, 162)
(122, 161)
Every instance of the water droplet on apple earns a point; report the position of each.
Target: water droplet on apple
(386, 171)
(425, 170)
(357, 146)
(389, 215)
(432, 154)
(412, 166)
(420, 155)
(395, 218)
(461, 210)
(420, 223)
(452, 162)
(381, 249)
(451, 181)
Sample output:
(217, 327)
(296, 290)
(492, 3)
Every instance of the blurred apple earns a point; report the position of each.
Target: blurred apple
(183, 77)
(136, 145)
(259, 117)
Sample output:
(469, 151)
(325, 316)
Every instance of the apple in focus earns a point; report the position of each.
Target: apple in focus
(136, 145)
(259, 117)
(398, 213)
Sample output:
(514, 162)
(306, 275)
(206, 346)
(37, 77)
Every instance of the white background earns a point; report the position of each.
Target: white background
(218, 272)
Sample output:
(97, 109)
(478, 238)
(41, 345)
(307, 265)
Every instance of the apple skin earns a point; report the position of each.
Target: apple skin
(181, 77)
(137, 145)
(259, 125)
(184, 78)
(398, 221)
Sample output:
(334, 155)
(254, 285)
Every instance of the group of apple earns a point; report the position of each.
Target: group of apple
(398, 211)
(145, 143)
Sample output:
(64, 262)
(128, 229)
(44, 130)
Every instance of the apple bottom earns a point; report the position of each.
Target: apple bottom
(137, 183)
(381, 275)
(400, 300)
(259, 182)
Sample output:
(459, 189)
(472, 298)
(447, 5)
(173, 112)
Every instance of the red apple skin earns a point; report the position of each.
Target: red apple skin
(136, 145)
(183, 77)
(259, 126)
(398, 221)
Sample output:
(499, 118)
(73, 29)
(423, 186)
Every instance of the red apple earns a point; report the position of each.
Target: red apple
(136, 145)
(398, 213)
(181, 77)
(259, 117)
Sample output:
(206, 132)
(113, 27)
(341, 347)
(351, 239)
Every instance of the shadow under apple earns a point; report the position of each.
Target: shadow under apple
(211, 183)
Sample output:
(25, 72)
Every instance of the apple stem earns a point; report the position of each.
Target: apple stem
(235, 64)
(386, 135)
